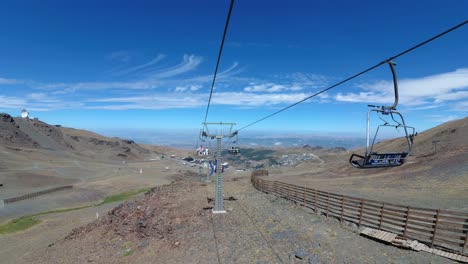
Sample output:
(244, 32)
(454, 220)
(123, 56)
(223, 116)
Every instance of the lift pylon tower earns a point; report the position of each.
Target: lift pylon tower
(225, 130)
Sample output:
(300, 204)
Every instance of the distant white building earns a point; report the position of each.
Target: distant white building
(24, 113)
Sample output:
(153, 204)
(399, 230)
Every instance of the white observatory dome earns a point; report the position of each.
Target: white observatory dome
(24, 113)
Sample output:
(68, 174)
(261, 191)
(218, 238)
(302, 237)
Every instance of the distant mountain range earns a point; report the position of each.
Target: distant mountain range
(188, 139)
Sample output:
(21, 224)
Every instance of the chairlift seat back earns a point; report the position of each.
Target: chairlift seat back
(379, 160)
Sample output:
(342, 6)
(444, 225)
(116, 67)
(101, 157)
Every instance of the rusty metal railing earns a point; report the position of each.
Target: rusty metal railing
(434, 227)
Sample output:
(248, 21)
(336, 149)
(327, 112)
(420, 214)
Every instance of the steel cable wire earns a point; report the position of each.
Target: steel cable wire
(358, 74)
(219, 58)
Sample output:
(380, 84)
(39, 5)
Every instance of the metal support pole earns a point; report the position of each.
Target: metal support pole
(200, 172)
(208, 178)
(219, 199)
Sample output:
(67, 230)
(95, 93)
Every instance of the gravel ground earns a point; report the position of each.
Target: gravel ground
(173, 224)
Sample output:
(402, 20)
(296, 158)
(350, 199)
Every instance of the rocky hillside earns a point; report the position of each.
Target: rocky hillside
(442, 150)
(32, 133)
(12, 135)
(448, 137)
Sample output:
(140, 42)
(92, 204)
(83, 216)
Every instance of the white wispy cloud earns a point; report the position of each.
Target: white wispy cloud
(42, 98)
(461, 106)
(271, 87)
(8, 81)
(434, 89)
(37, 102)
(253, 99)
(72, 87)
(185, 88)
(140, 67)
(310, 80)
(11, 102)
(190, 100)
(289, 82)
(155, 101)
(152, 79)
(173, 87)
(38, 96)
(451, 96)
(224, 76)
(189, 63)
(181, 92)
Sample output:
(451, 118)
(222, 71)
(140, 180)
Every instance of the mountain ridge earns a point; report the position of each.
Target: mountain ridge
(25, 133)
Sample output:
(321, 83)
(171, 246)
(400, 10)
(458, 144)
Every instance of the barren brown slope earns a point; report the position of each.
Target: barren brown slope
(428, 178)
(174, 224)
(33, 133)
(450, 136)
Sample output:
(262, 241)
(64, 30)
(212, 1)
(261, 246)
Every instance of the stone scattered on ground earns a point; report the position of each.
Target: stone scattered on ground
(174, 224)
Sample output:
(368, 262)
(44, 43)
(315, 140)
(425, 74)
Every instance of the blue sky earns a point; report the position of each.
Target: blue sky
(148, 64)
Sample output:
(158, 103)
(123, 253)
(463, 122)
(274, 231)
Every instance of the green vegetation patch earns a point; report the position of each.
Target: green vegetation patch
(128, 252)
(63, 210)
(25, 222)
(122, 196)
(18, 224)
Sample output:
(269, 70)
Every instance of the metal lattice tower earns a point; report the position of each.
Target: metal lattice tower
(218, 135)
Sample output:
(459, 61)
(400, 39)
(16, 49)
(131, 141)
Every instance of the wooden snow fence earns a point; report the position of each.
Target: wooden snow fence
(35, 194)
(435, 228)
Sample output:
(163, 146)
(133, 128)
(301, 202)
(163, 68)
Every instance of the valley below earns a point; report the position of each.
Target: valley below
(168, 219)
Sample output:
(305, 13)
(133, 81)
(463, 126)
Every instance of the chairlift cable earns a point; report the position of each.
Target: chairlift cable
(359, 74)
(219, 58)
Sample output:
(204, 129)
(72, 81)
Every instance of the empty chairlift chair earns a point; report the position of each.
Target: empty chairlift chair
(234, 150)
(373, 159)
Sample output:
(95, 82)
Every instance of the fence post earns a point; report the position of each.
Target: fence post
(342, 208)
(466, 242)
(315, 201)
(435, 227)
(360, 212)
(381, 215)
(328, 201)
(303, 198)
(406, 221)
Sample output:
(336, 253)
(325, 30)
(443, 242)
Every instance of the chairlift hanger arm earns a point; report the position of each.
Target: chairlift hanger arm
(386, 109)
(395, 86)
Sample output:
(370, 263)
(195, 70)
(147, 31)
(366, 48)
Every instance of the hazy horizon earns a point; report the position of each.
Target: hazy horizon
(187, 139)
